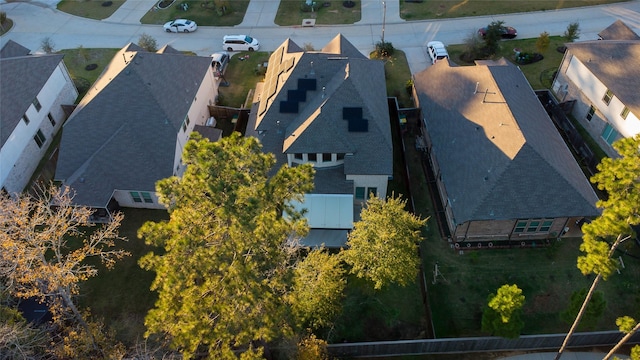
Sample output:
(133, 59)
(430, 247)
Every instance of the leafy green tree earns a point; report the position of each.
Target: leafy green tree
(493, 36)
(225, 268)
(47, 251)
(618, 177)
(572, 32)
(542, 43)
(318, 287)
(592, 313)
(629, 326)
(501, 316)
(383, 246)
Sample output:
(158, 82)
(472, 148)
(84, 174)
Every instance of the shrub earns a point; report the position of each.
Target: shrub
(148, 42)
(542, 44)
(47, 45)
(573, 32)
(384, 48)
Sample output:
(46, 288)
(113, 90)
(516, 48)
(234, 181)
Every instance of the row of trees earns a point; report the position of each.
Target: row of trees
(231, 277)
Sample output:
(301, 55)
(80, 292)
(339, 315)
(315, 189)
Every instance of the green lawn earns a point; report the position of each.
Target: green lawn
(76, 61)
(292, 13)
(92, 9)
(242, 76)
(453, 9)
(122, 295)
(204, 13)
(539, 74)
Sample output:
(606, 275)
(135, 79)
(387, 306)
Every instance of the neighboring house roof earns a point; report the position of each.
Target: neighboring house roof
(302, 108)
(13, 49)
(618, 31)
(499, 153)
(616, 63)
(21, 79)
(123, 133)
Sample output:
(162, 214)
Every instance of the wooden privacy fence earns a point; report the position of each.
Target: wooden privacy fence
(476, 344)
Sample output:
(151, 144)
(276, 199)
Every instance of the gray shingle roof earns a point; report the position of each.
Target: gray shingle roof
(21, 79)
(500, 155)
(344, 79)
(618, 31)
(13, 49)
(616, 63)
(123, 133)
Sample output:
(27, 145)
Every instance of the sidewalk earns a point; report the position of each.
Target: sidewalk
(262, 13)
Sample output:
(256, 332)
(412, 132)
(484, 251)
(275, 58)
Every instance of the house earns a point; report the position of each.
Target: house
(327, 108)
(35, 90)
(601, 79)
(129, 130)
(504, 175)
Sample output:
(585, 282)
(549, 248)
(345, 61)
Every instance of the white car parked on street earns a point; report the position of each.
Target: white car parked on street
(180, 25)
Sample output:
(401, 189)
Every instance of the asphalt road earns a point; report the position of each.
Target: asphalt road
(35, 20)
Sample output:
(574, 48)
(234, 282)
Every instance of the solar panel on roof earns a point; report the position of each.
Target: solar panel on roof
(358, 125)
(307, 84)
(296, 95)
(289, 107)
(349, 113)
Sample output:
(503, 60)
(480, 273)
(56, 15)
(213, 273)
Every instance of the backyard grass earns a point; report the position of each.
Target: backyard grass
(204, 13)
(92, 9)
(453, 9)
(122, 295)
(334, 12)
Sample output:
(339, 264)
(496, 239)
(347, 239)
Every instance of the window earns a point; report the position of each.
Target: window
(135, 196)
(607, 97)
(533, 226)
(313, 157)
(147, 197)
(326, 157)
(51, 119)
(185, 123)
(297, 156)
(25, 118)
(39, 138)
(360, 193)
(372, 192)
(340, 157)
(592, 111)
(546, 225)
(609, 134)
(624, 113)
(36, 103)
(520, 226)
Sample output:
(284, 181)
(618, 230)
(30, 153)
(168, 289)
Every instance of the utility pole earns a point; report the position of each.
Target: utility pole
(384, 18)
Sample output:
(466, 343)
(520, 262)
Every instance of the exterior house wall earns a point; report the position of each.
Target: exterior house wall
(198, 115)
(370, 181)
(504, 230)
(20, 154)
(125, 199)
(576, 82)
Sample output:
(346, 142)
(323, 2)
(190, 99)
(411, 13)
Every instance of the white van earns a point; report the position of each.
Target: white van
(239, 43)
